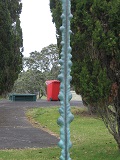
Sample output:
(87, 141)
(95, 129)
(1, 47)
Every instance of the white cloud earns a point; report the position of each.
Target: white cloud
(36, 22)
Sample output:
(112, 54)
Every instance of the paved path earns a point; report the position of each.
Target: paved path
(17, 132)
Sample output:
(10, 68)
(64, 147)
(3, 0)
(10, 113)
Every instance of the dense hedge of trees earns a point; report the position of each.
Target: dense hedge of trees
(96, 56)
(10, 44)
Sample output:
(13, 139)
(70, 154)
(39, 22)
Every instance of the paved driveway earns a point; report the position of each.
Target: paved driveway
(17, 132)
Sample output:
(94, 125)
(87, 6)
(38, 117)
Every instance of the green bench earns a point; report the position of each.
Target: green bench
(22, 97)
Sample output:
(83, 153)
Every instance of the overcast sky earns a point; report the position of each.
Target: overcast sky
(36, 22)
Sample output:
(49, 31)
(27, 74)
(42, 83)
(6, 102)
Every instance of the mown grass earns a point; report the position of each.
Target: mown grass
(30, 154)
(90, 138)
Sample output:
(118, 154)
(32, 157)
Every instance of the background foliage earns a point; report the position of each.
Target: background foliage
(37, 68)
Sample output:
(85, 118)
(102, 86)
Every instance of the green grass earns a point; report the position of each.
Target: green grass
(30, 154)
(90, 138)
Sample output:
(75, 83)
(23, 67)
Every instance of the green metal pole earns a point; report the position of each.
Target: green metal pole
(65, 96)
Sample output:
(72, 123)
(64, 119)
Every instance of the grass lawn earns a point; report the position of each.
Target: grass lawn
(90, 138)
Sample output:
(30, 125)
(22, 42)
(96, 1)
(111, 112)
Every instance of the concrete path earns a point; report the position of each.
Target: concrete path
(16, 131)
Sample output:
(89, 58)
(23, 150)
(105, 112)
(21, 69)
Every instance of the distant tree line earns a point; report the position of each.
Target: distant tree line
(37, 68)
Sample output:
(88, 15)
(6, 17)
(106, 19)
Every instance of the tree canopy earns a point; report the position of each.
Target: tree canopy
(43, 61)
(96, 56)
(10, 44)
(37, 68)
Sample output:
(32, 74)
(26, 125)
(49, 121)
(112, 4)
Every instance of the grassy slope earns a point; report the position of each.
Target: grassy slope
(91, 140)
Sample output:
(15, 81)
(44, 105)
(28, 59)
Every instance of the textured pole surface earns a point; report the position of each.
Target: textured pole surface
(65, 96)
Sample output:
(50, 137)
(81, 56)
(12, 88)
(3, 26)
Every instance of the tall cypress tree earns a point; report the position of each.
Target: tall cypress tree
(96, 56)
(10, 44)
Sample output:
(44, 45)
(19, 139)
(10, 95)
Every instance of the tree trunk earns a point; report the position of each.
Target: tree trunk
(91, 108)
(117, 108)
(117, 138)
(118, 122)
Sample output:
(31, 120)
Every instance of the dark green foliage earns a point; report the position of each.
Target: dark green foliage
(10, 44)
(95, 44)
(94, 84)
(96, 56)
(97, 33)
(55, 7)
